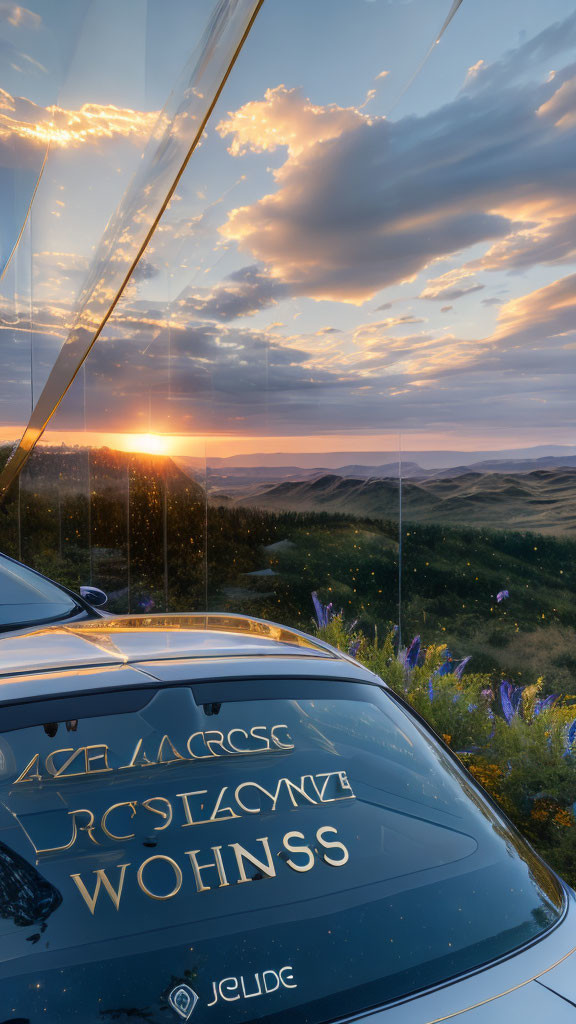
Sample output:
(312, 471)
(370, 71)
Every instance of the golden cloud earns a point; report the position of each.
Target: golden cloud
(23, 120)
(362, 203)
(451, 285)
(285, 117)
(547, 311)
(562, 106)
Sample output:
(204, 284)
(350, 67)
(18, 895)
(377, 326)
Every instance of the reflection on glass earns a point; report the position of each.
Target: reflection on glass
(54, 515)
(109, 545)
(170, 136)
(358, 829)
(367, 244)
(37, 46)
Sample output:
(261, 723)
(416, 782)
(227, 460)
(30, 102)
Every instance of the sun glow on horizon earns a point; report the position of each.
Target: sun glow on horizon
(226, 445)
(148, 444)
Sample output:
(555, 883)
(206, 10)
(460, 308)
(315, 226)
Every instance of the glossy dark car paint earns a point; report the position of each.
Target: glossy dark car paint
(67, 667)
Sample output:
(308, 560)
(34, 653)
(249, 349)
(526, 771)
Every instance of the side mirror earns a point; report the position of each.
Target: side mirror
(94, 596)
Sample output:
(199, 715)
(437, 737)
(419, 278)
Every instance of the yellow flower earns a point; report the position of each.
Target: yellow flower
(545, 809)
(488, 775)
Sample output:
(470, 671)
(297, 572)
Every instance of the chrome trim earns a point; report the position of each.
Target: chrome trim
(179, 671)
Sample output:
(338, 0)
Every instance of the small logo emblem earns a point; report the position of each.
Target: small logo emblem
(183, 1000)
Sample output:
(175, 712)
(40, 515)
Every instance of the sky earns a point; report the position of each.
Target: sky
(368, 245)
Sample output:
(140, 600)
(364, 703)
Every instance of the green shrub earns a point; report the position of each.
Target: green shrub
(517, 744)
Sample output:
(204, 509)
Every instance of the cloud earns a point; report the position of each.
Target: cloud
(361, 203)
(208, 377)
(451, 285)
(358, 203)
(547, 313)
(517, 65)
(144, 270)
(397, 321)
(285, 118)
(357, 213)
(552, 241)
(26, 125)
(404, 357)
(561, 108)
(204, 376)
(474, 71)
(242, 293)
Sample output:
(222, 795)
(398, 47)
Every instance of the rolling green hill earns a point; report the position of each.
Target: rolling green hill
(543, 501)
(142, 530)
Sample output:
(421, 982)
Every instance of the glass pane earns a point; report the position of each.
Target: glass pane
(37, 47)
(26, 598)
(373, 241)
(10, 536)
(55, 509)
(110, 526)
(127, 158)
(312, 826)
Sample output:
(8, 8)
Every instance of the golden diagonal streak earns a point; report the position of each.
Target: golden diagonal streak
(228, 29)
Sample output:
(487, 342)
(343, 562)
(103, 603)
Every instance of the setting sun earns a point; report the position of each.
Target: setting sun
(149, 443)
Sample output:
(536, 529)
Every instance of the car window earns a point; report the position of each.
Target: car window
(27, 598)
(265, 857)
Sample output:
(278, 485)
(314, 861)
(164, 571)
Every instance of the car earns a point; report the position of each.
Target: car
(27, 598)
(212, 817)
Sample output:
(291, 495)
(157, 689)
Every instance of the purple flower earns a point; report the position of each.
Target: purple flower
(505, 691)
(354, 648)
(146, 604)
(544, 704)
(324, 612)
(510, 697)
(412, 653)
(430, 689)
(502, 595)
(460, 668)
(446, 666)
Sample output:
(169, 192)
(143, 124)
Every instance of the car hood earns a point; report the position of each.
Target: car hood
(129, 639)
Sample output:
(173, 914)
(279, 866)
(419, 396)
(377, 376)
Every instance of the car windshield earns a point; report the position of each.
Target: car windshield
(26, 598)
(304, 856)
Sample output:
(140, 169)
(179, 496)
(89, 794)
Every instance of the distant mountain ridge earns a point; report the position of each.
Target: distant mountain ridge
(439, 459)
(223, 469)
(239, 483)
(543, 500)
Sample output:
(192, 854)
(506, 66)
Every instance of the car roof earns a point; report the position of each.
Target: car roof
(135, 649)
